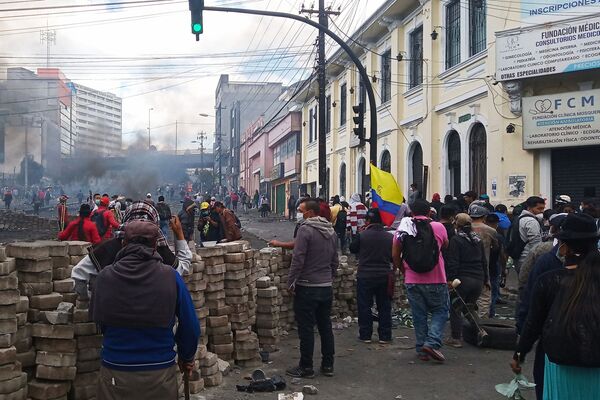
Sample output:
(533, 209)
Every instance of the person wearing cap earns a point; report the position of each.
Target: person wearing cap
(149, 199)
(209, 224)
(104, 254)
(104, 219)
(562, 201)
(373, 246)
(478, 212)
(466, 262)
(486, 202)
(136, 302)
(564, 315)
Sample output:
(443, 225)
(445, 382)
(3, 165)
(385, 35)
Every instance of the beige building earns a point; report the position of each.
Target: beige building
(444, 121)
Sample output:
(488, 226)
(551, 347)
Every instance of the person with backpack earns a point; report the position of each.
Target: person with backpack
(82, 228)
(231, 223)
(104, 219)
(417, 252)
(466, 262)
(564, 316)
(164, 213)
(373, 246)
(341, 225)
(526, 231)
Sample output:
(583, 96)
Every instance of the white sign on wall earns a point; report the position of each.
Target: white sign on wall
(561, 120)
(568, 46)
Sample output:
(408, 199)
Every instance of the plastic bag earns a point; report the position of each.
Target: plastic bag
(512, 390)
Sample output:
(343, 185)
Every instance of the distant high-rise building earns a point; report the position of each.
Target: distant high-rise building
(99, 122)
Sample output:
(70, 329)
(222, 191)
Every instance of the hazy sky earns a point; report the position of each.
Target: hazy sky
(147, 55)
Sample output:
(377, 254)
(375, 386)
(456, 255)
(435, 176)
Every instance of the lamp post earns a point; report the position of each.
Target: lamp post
(149, 140)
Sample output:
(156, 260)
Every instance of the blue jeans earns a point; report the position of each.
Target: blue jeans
(366, 289)
(495, 284)
(425, 300)
(164, 227)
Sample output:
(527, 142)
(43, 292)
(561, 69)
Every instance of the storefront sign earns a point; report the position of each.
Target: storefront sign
(552, 10)
(568, 46)
(561, 120)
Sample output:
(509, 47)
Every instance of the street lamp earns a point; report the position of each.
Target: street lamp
(149, 141)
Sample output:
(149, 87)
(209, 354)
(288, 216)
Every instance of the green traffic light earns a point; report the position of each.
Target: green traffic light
(197, 27)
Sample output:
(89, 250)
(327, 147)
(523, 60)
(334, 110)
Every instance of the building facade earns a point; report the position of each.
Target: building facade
(99, 122)
(237, 105)
(443, 120)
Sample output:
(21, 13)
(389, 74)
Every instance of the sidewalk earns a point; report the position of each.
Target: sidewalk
(266, 229)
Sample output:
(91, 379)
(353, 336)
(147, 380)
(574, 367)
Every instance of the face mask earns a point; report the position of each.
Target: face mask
(97, 202)
(558, 255)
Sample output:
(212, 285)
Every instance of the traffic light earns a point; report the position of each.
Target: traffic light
(359, 121)
(196, 8)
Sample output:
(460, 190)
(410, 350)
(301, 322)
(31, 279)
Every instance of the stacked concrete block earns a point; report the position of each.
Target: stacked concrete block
(209, 370)
(61, 269)
(13, 381)
(286, 307)
(267, 314)
(345, 289)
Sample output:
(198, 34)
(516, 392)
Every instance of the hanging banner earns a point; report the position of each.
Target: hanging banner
(561, 120)
(567, 46)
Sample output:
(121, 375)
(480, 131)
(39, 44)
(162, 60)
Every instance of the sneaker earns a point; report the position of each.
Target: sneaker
(434, 353)
(364, 340)
(327, 371)
(423, 357)
(388, 341)
(299, 372)
(456, 343)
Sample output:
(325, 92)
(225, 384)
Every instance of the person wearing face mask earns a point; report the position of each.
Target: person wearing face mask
(564, 315)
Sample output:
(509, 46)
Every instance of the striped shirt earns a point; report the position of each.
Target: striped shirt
(356, 217)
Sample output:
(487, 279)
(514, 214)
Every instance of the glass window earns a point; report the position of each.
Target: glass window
(386, 76)
(328, 114)
(452, 33)
(311, 125)
(343, 105)
(416, 57)
(362, 92)
(477, 34)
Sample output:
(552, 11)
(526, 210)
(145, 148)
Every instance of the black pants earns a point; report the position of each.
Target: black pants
(366, 289)
(313, 305)
(469, 290)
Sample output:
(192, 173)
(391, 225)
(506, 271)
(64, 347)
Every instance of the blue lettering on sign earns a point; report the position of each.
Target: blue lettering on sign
(573, 102)
(565, 121)
(583, 66)
(555, 6)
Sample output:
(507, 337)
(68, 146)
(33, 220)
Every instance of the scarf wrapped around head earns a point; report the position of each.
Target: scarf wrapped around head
(354, 199)
(140, 210)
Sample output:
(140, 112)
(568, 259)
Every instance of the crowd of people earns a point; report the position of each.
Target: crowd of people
(454, 256)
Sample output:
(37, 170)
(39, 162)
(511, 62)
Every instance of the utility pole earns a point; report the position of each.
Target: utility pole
(220, 144)
(322, 82)
(48, 36)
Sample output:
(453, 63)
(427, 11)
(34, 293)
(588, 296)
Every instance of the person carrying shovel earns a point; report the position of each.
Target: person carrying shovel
(136, 302)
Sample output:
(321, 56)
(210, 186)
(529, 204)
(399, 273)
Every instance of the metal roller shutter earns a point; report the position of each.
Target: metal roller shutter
(576, 172)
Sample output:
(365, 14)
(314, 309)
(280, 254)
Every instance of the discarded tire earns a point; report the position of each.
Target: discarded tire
(500, 335)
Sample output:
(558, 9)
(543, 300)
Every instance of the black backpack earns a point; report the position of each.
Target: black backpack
(516, 245)
(164, 212)
(340, 222)
(421, 252)
(98, 219)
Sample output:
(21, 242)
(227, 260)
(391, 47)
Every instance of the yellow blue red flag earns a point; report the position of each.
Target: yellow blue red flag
(385, 194)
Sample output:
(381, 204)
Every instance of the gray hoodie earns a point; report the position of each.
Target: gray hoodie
(315, 258)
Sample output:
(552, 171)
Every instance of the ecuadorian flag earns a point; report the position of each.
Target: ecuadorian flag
(385, 194)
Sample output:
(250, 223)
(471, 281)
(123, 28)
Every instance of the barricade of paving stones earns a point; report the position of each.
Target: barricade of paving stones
(17, 221)
(50, 349)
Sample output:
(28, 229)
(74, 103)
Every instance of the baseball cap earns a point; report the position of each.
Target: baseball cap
(204, 206)
(477, 211)
(141, 229)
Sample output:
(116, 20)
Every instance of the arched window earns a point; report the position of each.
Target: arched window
(416, 163)
(454, 183)
(362, 184)
(343, 179)
(386, 161)
(478, 159)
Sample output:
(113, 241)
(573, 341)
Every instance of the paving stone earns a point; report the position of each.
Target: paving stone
(220, 330)
(42, 390)
(267, 292)
(56, 359)
(85, 329)
(233, 247)
(56, 248)
(35, 277)
(35, 265)
(60, 262)
(213, 380)
(221, 339)
(46, 301)
(8, 311)
(221, 348)
(62, 273)
(86, 342)
(209, 360)
(27, 359)
(23, 345)
(235, 257)
(64, 285)
(7, 340)
(237, 291)
(81, 316)
(8, 325)
(27, 250)
(237, 299)
(91, 353)
(12, 385)
(234, 275)
(86, 379)
(8, 266)
(78, 248)
(20, 394)
(8, 282)
(23, 304)
(215, 278)
(55, 373)
(2, 253)
(84, 392)
(196, 386)
(70, 298)
(88, 365)
(207, 371)
(74, 260)
(8, 355)
(56, 345)
(206, 252)
(10, 371)
(9, 297)
(215, 268)
(53, 331)
(35, 289)
(197, 286)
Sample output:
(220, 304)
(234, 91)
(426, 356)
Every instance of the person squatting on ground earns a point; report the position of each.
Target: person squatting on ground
(82, 228)
(136, 302)
(466, 262)
(564, 314)
(104, 254)
(417, 251)
(310, 280)
(373, 245)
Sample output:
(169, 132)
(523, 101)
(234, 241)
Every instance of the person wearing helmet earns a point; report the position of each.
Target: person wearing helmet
(210, 224)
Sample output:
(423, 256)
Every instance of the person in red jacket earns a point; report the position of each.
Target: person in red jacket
(104, 219)
(81, 228)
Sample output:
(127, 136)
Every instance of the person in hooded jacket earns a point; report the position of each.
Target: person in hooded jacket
(187, 217)
(310, 280)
